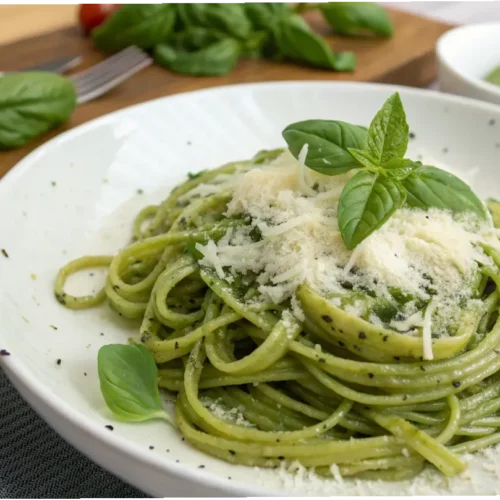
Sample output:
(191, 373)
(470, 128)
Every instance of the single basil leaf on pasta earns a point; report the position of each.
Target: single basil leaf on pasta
(388, 132)
(400, 168)
(128, 378)
(431, 187)
(328, 144)
(357, 18)
(366, 202)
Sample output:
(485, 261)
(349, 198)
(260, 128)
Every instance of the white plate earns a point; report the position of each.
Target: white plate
(97, 170)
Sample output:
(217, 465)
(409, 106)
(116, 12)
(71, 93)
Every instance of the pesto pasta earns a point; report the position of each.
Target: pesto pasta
(271, 365)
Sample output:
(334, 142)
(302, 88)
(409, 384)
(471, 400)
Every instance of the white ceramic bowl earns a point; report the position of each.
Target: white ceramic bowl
(78, 194)
(465, 56)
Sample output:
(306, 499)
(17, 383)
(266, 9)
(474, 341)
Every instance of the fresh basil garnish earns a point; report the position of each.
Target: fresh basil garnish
(129, 383)
(431, 187)
(388, 132)
(31, 104)
(367, 201)
(400, 168)
(328, 141)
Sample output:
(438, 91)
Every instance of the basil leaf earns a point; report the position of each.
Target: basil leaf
(230, 18)
(128, 378)
(494, 209)
(142, 25)
(388, 132)
(214, 60)
(329, 142)
(263, 15)
(296, 41)
(195, 38)
(364, 158)
(366, 202)
(400, 168)
(31, 104)
(432, 187)
(357, 18)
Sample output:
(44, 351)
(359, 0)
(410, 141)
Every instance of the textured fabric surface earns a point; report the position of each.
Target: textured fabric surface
(35, 462)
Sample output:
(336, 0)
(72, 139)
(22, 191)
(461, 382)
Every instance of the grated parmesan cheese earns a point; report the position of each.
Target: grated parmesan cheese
(427, 254)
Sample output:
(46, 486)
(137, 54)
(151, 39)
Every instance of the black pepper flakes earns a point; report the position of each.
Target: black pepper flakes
(412, 135)
(53, 183)
(110, 427)
(232, 452)
(371, 375)
(397, 358)
(386, 337)
(101, 334)
(496, 351)
(201, 466)
(281, 457)
(322, 360)
(456, 384)
(168, 451)
(189, 143)
(4, 352)
(422, 368)
(84, 374)
(341, 344)
(177, 461)
(116, 288)
(229, 477)
(277, 440)
(53, 327)
(4, 253)
(405, 397)
(58, 362)
(140, 191)
(151, 447)
(492, 122)
(445, 150)
(341, 331)
(326, 318)
(176, 345)
(362, 335)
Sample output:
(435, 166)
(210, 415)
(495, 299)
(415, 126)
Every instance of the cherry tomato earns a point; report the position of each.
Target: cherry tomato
(92, 15)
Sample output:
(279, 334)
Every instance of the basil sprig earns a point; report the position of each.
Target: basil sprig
(387, 180)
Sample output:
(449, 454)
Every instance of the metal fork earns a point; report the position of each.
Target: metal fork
(102, 77)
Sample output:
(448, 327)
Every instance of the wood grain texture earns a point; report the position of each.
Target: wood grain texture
(407, 58)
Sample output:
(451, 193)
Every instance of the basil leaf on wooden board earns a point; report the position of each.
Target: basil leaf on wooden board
(388, 132)
(400, 168)
(364, 158)
(31, 104)
(432, 187)
(367, 201)
(357, 18)
(143, 25)
(216, 59)
(230, 18)
(297, 41)
(129, 382)
(263, 15)
(328, 144)
(195, 38)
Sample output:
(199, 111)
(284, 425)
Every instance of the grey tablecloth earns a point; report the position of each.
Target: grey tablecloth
(35, 462)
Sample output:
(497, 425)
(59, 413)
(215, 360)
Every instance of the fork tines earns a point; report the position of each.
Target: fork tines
(97, 80)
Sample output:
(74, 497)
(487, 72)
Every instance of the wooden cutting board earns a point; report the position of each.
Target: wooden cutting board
(407, 58)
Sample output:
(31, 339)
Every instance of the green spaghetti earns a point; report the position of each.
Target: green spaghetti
(351, 372)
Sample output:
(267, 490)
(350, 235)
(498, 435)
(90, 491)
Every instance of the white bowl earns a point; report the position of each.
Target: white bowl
(465, 57)
(97, 169)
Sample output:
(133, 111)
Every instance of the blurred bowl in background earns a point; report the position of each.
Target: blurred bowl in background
(466, 55)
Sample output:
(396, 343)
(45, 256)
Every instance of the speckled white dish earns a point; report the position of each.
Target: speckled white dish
(78, 194)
